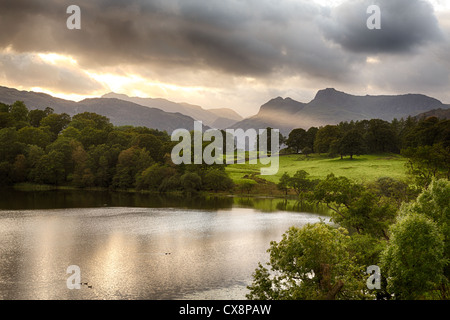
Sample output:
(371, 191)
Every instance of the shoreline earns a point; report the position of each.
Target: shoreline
(30, 187)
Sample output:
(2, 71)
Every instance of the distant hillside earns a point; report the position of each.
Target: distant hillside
(217, 118)
(331, 107)
(36, 100)
(120, 112)
(123, 113)
(438, 113)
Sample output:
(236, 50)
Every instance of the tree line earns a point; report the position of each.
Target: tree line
(370, 136)
(86, 150)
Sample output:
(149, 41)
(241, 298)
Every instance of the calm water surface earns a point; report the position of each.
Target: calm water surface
(149, 248)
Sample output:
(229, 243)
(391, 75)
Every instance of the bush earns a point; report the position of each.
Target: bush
(191, 182)
(217, 180)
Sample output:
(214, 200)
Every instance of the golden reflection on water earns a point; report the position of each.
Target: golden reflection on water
(136, 253)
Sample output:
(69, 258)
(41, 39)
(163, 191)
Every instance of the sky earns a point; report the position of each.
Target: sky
(225, 54)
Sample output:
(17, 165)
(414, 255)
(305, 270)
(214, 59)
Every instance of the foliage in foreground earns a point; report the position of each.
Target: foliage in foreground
(320, 261)
(310, 263)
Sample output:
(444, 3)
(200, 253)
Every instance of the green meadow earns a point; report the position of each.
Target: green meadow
(362, 169)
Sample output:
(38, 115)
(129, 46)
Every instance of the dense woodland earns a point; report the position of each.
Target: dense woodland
(42, 147)
(402, 227)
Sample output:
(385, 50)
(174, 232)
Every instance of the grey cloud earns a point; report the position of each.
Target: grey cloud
(405, 25)
(421, 73)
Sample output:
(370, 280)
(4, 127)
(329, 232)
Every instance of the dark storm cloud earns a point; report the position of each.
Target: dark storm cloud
(405, 25)
(253, 38)
(256, 38)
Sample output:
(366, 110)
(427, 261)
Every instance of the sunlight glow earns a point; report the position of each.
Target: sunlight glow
(72, 97)
(372, 60)
(135, 85)
(55, 58)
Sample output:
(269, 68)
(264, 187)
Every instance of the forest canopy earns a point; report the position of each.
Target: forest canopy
(86, 150)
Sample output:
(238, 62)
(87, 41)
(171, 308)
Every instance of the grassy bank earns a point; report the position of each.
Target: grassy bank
(361, 169)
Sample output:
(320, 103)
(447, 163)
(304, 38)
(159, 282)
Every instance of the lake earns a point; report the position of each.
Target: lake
(137, 246)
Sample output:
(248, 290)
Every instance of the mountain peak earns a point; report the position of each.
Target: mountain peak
(331, 96)
(280, 104)
(328, 92)
(113, 95)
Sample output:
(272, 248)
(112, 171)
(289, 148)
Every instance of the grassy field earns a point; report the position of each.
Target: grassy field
(362, 169)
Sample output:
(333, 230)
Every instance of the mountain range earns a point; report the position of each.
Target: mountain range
(120, 112)
(215, 118)
(329, 106)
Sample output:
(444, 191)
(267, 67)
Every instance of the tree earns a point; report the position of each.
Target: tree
(49, 169)
(71, 133)
(427, 131)
(352, 143)
(81, 172)
(131, 162)
(4, 108)
(191, 182)
(35, 116)
(90, 136)
(325, 137)
(246, 185)
(413, 261)
(152, 177)
(297, 140)
(119, 137)
(217, 180)
(151, 143)
(390, 188)
(10, 146)
(416, 260)
(170, 184)
(336, 193)
(6, 178)
(103, 173)
(33, 154)
(19, 111)
(20, 169)
(301, 183)
(311, 138)
(311, 263)
(65, 147)
(354, 207)
(380, 137)
(284, 183)
(92, 120)
(6, 120)
(35, 136)
(102, 162)
(267, 132)
(434, 203)
(368, 215)
(428, 162)
(56, 123)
